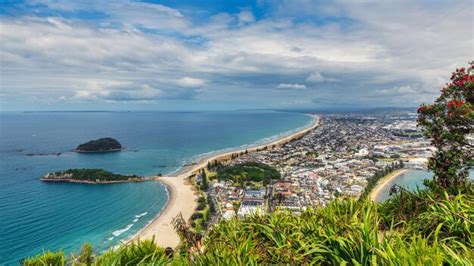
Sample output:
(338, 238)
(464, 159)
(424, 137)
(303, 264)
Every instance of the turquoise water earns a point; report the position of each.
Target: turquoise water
(411, 179)
(36, 215)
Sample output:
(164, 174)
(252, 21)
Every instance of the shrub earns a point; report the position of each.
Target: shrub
(196, 215)
(47, 258)
(143, 252)
(201, 206)
(202, 199)
(86, 256)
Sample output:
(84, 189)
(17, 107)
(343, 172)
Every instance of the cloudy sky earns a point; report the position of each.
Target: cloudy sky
(180, 55)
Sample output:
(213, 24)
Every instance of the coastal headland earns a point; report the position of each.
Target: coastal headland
(183, 196)
(374, 195)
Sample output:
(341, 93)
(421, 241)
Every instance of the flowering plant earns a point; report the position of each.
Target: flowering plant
(449, 123)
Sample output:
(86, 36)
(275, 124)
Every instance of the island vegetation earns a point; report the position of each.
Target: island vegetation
(433, 226)
(89, 176)
(100, 145)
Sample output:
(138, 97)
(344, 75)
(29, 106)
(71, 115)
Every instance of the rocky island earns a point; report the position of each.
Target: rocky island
(91, 176)
(100, 145)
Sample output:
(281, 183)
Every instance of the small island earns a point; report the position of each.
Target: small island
(91, 176)
(100, 145)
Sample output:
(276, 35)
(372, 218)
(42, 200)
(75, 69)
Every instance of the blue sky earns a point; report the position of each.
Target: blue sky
(182, 55)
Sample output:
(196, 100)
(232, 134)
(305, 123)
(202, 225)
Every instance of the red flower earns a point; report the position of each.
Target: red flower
(471, 78)
(455, 103)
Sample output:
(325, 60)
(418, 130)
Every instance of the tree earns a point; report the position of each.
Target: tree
(188, 237)
(212, 207)
(447, 122)
(204, 183)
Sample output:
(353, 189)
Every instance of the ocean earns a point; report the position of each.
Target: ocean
(36, 216)
(410, 179)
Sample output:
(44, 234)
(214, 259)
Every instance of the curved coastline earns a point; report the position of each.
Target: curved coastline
(374, 195)
(183, 196)
(195, 160)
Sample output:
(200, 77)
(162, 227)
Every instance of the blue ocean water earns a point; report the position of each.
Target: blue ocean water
(411, 179)
(35, 216)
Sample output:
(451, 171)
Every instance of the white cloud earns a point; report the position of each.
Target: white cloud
(318, 77)
(291, 86)
(191, 82)
(115, 58)
(126, 12)
(402, 90)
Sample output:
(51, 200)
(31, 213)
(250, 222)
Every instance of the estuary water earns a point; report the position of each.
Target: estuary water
(410, 179)
(35, 216)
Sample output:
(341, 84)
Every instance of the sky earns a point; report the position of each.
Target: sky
(226, 55)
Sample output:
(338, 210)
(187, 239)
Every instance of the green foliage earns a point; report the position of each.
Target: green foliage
(196, 215)
(204, 182)
(345, 232)
(141, 253)
(207, 215)
(202, 199)
(201, 206)
(92, 175)
(100, 145)
(212, 207)
(46, 259)
(249, 171)
(448, 122)
(425, 212)
(86, 256)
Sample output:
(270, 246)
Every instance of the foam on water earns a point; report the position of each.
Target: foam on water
(121, 231)
(141, 215)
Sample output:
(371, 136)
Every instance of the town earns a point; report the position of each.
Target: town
(336, 159)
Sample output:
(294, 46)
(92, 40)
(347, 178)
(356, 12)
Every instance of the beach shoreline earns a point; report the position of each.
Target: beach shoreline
(183, 196)
(209, 157)
(375, 193)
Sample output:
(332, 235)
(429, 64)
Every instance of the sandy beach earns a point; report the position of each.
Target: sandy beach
(183, 197)
(383, 182)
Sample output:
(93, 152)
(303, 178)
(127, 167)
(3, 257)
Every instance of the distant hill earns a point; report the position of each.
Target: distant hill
(374, 110)
(100, 145)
